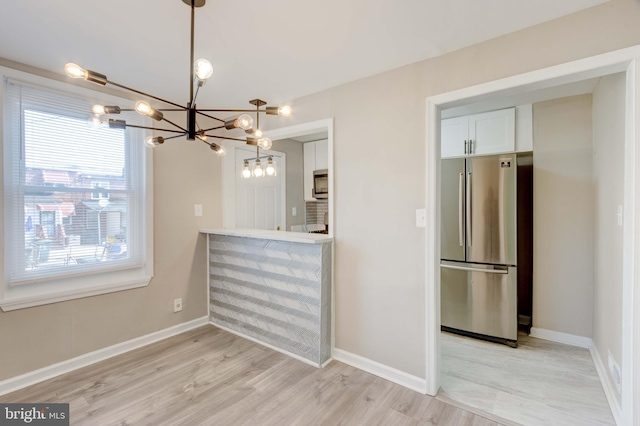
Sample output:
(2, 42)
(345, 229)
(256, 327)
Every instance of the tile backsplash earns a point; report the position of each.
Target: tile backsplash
(316, 211)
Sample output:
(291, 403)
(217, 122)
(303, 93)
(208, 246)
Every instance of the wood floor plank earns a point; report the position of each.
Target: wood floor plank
(208, 376)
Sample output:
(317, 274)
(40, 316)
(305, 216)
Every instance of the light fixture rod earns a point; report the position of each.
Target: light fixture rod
(232, 110)
(172, 123)
(174, 137)
(193, 102)
(257, 158)
(211, 128)
(146, 94)
(154, 128)
(199, 111)
(225, 138)
(191, 70)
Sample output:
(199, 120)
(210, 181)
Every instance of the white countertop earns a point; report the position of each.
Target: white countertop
(263, 234)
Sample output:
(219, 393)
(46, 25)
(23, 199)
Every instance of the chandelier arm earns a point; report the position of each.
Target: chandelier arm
(174, 137)
(174, 124)
(199, 111)
(155, 128)
(147, 95)
(232, 110)
(164, 109)
(212, 128)
(226, 138)
(193, 102)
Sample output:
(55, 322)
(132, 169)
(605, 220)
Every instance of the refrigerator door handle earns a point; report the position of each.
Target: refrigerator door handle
(461, 210)
(466, 268)
(469, 209)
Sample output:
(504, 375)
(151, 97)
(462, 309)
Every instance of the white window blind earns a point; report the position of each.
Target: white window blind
(74, 192)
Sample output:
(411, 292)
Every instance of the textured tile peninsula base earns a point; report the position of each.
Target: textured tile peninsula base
(273, 290)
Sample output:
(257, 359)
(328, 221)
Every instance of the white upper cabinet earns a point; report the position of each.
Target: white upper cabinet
(316, 157)
(455, 137)
(478, 134)
(322, 154)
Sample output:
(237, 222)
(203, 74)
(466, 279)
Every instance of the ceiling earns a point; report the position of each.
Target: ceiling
(276, 50)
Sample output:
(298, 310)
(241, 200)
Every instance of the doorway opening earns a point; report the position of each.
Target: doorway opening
(555, 77)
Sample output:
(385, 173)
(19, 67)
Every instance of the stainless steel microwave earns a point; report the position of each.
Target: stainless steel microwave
(320, 184)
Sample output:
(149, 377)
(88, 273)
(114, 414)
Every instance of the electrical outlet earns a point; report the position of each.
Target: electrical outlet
(177, 305)
(197, 208)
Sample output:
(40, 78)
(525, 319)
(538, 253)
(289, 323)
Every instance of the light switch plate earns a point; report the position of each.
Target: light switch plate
(197, 208)
(294, 211)
(421, 218)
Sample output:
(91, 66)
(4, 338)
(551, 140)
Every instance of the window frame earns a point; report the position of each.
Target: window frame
(82, 283)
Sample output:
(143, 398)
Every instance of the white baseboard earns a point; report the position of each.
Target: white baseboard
(558, 337)
(45, 373)
(609, 389)
(388, 373)
(253, 339)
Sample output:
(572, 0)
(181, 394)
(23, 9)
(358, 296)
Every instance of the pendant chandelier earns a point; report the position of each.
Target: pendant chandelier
(200, 71)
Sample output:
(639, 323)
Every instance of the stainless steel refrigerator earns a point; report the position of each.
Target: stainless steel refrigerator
(478, 267)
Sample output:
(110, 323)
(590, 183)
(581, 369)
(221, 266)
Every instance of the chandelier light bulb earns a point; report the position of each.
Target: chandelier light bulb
(203, 69)
(257, 133)
(245, 122)
(246, 173)
(218, 149)
(265, 143)
(270, 168)
(152, 142)
(144, 108)
(98, 109)
(74, 71)
(284, 110)
(257, 170)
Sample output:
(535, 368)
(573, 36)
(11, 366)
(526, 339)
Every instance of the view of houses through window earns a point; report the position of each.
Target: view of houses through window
(75, 191)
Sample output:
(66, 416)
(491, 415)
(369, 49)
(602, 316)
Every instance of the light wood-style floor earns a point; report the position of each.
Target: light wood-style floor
(210, 377)
(539, 383)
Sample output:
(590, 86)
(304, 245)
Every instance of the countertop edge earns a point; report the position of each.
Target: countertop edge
(293, 237)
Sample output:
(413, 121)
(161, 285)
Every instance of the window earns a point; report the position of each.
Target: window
(100, 191)
(74, 194)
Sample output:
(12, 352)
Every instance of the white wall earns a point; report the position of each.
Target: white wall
(608, 169)
(563, 217)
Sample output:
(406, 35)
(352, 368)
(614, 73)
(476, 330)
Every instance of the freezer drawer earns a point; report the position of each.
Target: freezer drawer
(480, 299)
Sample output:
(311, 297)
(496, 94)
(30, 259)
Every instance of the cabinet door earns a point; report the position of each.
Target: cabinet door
(309, 165)
(453, 134)
(492, 132)
(322, 154)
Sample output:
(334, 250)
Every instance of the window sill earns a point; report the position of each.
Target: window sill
(19, 298)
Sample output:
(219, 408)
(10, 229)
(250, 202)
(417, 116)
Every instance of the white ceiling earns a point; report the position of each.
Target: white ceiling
(276, 50)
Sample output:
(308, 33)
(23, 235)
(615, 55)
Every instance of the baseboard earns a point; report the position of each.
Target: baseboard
(46, 373)
(607, 385)
(282, 351)
(558, 337)
(388, 373)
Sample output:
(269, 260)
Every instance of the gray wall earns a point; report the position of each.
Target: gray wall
(608, 169)
(295, 179)
(379, 264)
(563, 216)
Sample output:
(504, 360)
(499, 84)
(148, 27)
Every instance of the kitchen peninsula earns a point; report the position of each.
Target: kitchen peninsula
(273, 287)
